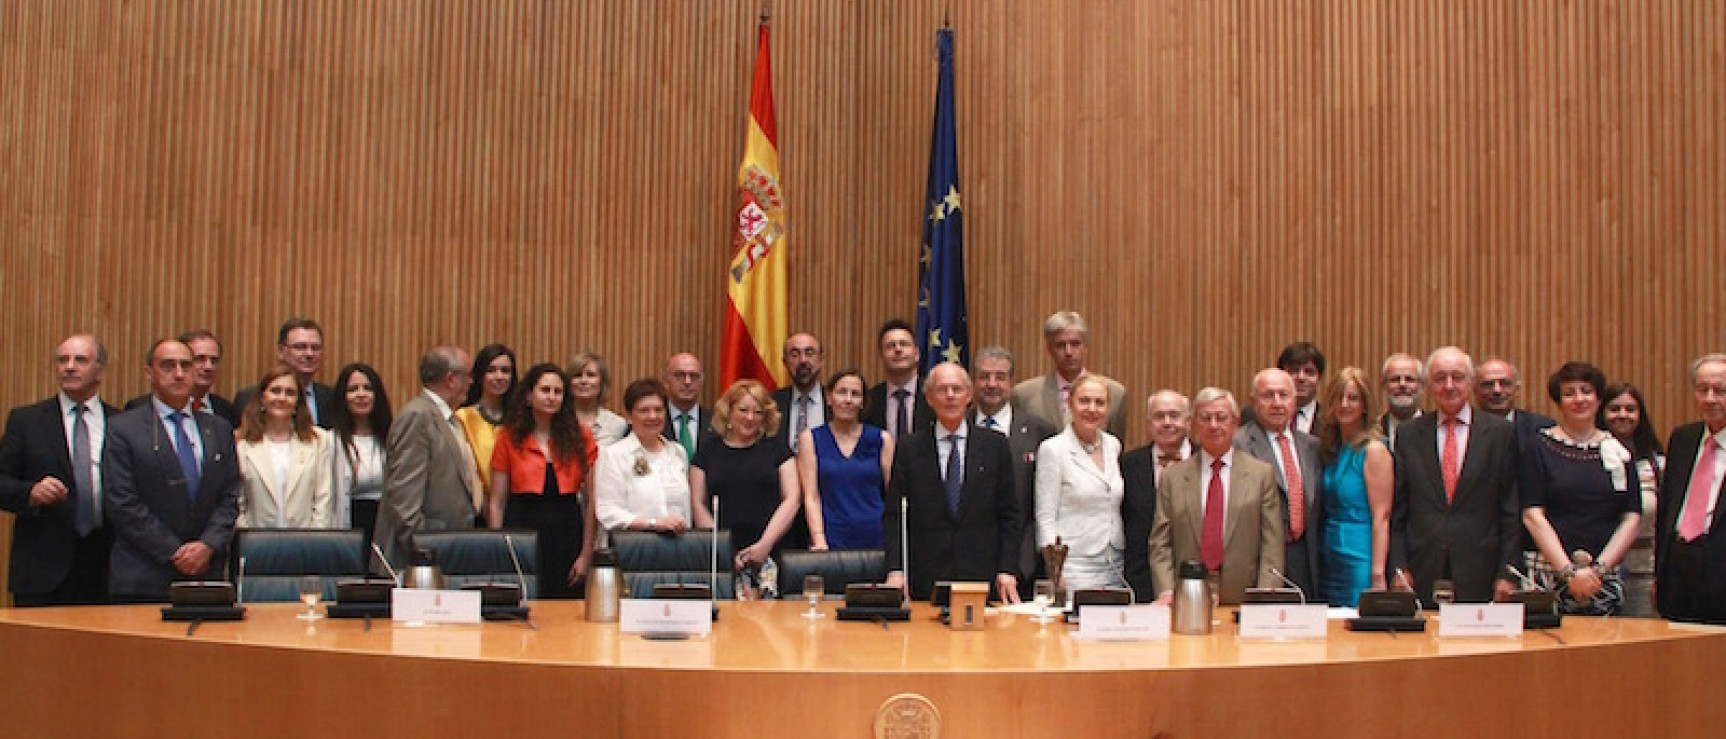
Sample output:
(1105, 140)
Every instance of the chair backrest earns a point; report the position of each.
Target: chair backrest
(649, 559)
(836, 568)
(275, 560)
(482, 556)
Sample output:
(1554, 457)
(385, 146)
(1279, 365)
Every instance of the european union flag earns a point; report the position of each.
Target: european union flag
(941, 326)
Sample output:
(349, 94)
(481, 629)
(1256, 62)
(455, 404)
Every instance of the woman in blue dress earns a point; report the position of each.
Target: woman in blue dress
(844, 466)
(1359, 479)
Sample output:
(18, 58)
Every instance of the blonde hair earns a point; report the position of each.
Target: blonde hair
(733, 395)
(1330, 432)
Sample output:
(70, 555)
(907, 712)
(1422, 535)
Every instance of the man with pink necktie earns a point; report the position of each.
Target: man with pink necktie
(1689, 561)
(1455, 515)
(1271, 437)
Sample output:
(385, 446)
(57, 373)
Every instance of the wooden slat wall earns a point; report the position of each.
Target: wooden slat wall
(1203, 180)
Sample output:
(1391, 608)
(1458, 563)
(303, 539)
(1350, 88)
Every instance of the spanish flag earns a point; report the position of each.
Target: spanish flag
(755, 278)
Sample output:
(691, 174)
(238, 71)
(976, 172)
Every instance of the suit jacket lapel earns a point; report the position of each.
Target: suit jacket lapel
(1188, 477)
(1471, 464)
(1236, 502)
(62, 453)
(1423, 440)
(261, 461)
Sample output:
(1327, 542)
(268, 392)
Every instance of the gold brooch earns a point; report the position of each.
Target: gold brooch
(642, 469)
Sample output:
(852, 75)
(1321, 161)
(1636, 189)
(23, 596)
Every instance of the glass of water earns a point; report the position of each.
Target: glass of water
(1043, 594)
(311, 591)
(814, 587)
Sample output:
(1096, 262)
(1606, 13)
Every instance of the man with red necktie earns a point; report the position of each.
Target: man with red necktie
(1219, 507)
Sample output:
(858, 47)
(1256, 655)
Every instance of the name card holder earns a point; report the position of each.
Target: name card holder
(1143, 622)
(665, 619)
(1475, 620)
(1284, 621)
(414, 606)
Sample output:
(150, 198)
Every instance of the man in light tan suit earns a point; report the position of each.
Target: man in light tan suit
(1067, 339)
(1246, 542)
(429, 483)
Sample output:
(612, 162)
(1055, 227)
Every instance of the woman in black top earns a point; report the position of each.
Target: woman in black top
(1578, 501)
(754, 475)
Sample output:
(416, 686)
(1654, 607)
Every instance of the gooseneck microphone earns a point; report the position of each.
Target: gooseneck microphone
(520, 579)
(713, 561)
(1404, 580)
(1290, 583)
(905, 545)
(379, 553)
(240, 584)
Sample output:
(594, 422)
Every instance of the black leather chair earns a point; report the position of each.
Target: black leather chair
(836, 568)
(271, 562)
(482, 556)
(649, 559)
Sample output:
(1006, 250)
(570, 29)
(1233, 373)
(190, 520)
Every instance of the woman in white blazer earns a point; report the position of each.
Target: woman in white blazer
(1079, 488)
(284, 460)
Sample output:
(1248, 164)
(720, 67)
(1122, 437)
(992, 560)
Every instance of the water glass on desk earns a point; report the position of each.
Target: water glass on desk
(1043, 594)
(311, 591)
(814, 587)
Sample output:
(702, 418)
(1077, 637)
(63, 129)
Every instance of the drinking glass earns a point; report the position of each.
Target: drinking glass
(814, 587)
(311, 591)
(1043, 594)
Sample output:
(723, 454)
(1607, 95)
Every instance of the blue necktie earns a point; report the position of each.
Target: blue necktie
(183, 450)
(955, 475)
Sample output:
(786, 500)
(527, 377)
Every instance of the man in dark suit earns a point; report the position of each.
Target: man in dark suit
(1271, 438)
(992, 371)
(686, 419)
(896, 400)
(50, 480)
(1498, 392)
(170, 484)
(300, 346)
(801, 406)
(206, 371)
(956, 480)
(1400, 380)
(1690, 562)
(1166, 415)
(1455, 515)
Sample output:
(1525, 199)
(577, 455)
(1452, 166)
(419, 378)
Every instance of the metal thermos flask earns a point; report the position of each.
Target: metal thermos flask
(1193, 604)
(424, 573)
(604, 587)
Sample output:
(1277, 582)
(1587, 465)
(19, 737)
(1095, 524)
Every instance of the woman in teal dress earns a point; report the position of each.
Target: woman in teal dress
(1359, 478)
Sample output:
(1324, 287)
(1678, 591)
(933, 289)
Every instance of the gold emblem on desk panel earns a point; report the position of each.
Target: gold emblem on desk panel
(907, 716)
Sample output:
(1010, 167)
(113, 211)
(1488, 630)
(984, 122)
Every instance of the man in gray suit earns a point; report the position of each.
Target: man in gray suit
(429, 483)
(992, 370)
(1271, 438)
(170, 485)
(1067, 339)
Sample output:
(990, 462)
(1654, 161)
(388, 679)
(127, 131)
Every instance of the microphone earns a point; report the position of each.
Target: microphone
(1403, 579)
(905, 546)
(386, 563)
(1121, 574)
(521, 580)
(1527, 582)
(713, 561)
(1290, 583)
(240, 585)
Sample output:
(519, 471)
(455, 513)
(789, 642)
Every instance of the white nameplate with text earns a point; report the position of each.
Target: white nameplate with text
(647, 616)
(1124, 623)
(1479, 619)
(1284, 621)
(416, 606)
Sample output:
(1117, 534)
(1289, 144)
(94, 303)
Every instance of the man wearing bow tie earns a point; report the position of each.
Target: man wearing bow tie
(1166, 415)
(170, 485)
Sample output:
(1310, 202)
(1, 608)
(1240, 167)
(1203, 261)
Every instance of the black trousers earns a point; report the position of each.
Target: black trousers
(558, 521)
(86, 580)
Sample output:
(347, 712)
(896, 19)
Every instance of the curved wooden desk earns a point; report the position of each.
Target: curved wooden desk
(120, 671)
